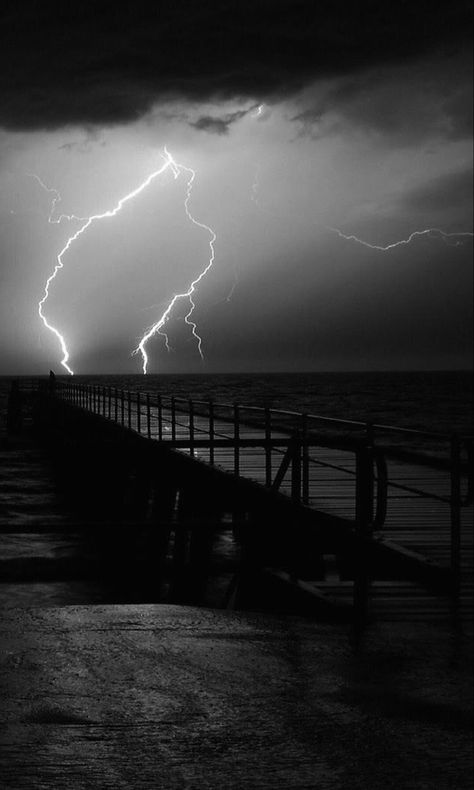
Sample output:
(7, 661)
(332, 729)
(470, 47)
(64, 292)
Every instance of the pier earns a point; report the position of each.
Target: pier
(351, 519)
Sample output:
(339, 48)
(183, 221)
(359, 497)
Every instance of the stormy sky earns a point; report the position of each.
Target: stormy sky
(304, 121)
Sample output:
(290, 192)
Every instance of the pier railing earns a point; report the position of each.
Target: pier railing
(305, 456)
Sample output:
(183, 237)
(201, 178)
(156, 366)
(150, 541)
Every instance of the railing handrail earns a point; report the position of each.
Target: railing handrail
(337, 421)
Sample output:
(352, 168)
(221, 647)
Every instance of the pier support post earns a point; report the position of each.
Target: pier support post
(199, 512)
(364, 518)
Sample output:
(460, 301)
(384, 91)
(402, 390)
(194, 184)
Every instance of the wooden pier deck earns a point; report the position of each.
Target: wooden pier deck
(414, 505)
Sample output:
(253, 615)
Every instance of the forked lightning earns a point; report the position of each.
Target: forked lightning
(453, 239)
(157, 327)
(169, 163)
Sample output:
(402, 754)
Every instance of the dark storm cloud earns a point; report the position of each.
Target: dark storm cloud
(82, 146)
(403, 105)
(218, 125)
(96, 63)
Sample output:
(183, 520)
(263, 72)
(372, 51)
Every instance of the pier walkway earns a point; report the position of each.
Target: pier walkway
(407, 492)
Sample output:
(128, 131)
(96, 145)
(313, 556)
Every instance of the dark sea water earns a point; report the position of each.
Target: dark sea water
(436, 401)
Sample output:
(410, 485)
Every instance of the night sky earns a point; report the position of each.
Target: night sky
(301, 119)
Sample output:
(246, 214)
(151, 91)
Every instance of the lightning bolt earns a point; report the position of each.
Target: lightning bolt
(54, 201)
(158, 326)
(87, 222)
(258, 111)
(452, 239)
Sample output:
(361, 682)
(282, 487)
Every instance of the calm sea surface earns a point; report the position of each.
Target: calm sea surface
(439, 401)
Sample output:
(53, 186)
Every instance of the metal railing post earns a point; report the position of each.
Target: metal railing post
(305, 458)
(268, 448)
(369, 433)
(160, 419)
(364, 485)
(115, 405)
(236, 439)
(129, 408)
(363, 526)
(139, 414)
(173, 419)
(122, 407)
(296, 472)
(455, 507)
(191, 427)
(109, 409)
(211, 433)
(148, 416)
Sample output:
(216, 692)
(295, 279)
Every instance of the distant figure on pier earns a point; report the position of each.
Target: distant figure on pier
(14, 413)
(52, 382)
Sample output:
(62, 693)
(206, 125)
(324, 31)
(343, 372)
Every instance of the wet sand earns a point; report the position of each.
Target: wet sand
(180, 697)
